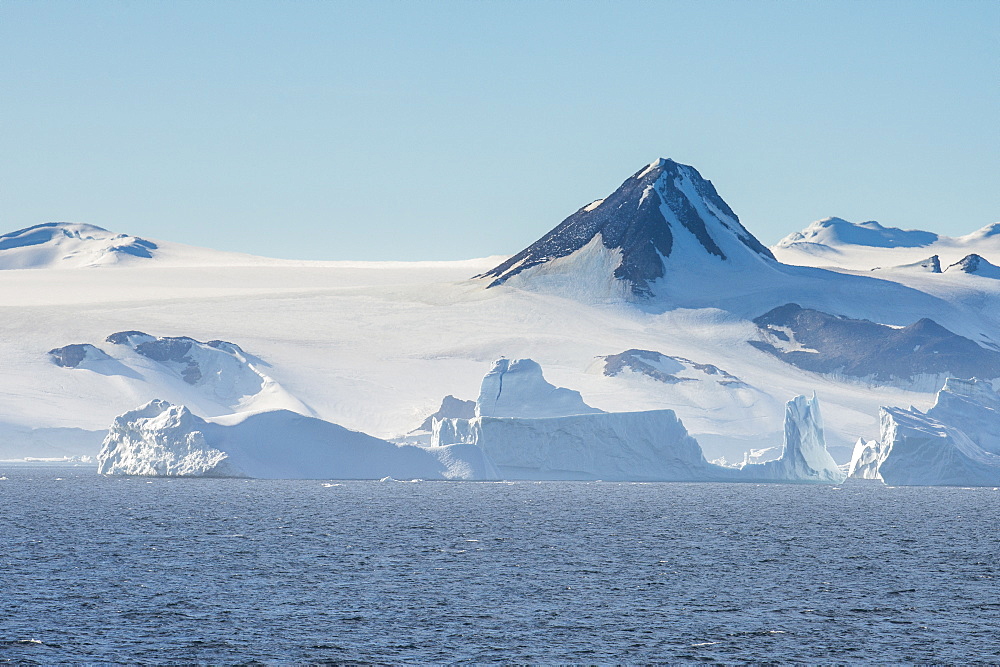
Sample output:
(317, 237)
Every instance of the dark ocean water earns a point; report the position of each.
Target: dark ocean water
(99, 569)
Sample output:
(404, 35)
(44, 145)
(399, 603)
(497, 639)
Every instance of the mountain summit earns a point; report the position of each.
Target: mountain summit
(69, 244)
(665, 214)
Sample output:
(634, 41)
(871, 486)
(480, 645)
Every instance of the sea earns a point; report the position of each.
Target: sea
(228, 571)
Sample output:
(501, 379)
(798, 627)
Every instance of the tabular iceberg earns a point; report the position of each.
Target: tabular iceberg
(634, 446)
(517, 388)
(164, 439)
(650, 445)
(955, 443)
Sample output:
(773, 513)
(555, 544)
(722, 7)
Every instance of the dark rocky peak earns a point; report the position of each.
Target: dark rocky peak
(975, 264)
(642, 219)
(930, 265)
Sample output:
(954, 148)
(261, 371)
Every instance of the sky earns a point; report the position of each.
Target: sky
(450, 130)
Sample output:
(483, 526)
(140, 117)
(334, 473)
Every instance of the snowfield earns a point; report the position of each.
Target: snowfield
(374, 347)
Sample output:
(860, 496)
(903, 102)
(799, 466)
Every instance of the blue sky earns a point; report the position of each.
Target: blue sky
(447, 130)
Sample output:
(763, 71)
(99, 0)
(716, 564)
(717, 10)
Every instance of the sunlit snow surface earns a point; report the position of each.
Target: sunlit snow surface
(376, 346)
(132, 570)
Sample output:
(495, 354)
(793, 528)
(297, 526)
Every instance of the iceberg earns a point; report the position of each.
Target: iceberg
(650, 445)
(162, 439)
(617, 446)
(955, 443)
(517, 388)
(804, 457)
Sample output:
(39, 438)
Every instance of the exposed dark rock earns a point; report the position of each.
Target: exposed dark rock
(662, 367)
(172, 349)
(71, 356)
(122, 337)
(975, 264)
(630, 220)
(824, 343)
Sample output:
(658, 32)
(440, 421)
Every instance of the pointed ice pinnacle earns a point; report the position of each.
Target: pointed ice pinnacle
(642, 220)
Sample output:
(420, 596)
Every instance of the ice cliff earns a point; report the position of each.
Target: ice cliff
(649, 445)
(168, 440)
(517, 388)
(955, 443)
(507, 439)
(804, 457)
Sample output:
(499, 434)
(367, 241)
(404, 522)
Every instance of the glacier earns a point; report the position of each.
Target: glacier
(955, 443)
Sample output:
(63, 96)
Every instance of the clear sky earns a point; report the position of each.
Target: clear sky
(447, 130)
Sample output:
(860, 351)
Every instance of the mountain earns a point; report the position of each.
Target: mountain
(664, 215)
(838, 244)
(837, 231)
(374, 346)
(921, 354)
(975, 265)
(74, 245)
(70, 244)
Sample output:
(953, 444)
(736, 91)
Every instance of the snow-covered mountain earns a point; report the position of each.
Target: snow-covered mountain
(666, 219)
(976, 265)
(74, 245)
(374, 346)
(839, 244)
(833, 232)
(70, 245)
